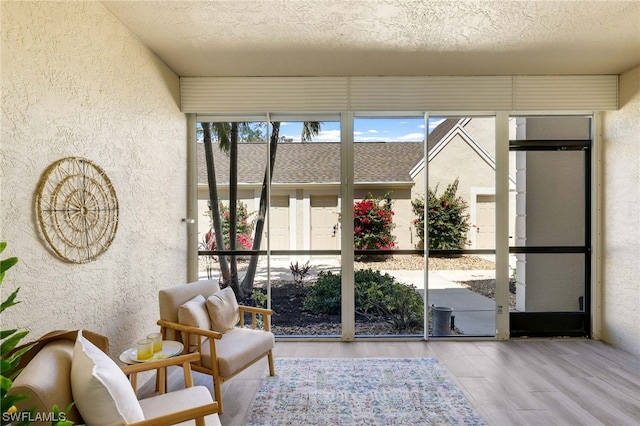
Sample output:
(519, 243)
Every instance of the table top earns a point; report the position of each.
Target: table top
(169, 348)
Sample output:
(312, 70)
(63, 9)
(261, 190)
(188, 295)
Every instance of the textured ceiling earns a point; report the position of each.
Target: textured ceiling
(386, 37)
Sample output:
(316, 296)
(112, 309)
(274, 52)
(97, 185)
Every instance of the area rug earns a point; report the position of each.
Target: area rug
(364, 391)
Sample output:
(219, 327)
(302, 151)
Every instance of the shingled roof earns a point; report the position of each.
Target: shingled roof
(319, 162)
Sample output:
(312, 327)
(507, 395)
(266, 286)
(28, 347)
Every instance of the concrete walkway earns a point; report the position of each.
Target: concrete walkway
(474, 313)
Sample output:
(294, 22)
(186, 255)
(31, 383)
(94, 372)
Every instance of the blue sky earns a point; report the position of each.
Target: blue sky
(367, 130)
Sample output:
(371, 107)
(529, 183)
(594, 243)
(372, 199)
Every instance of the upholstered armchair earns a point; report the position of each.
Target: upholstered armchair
(63, 371)
(209, 320)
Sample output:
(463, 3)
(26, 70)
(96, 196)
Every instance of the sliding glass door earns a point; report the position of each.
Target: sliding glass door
(352, 226)
(460, 215)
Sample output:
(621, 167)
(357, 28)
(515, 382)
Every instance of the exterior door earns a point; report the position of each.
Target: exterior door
(553, 223)
(279, 222)
(485, 221)
(325, 231)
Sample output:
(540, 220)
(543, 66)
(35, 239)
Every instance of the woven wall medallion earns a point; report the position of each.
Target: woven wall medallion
(77, 209)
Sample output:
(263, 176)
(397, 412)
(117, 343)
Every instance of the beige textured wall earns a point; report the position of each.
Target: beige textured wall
(621, 207)
(75, 82)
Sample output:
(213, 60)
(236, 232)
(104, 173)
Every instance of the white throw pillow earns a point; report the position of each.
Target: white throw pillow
(223, 310)
(101, 391)
(194, 313)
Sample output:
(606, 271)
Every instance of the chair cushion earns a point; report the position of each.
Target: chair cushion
(48, 386)
(223, 310)
(171, 298)
(194, 313)
(100, 389)
(237, 348)
(178, 400)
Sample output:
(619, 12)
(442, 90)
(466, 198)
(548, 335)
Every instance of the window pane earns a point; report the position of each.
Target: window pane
(303, 217)
(462, 292)
(228, 219)
(550, 282)
(461, 206)
(550, 200)
(389, 288)
(305, 296)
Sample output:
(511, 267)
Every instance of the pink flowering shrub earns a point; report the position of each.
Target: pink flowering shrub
(244, 229)
(373, 223)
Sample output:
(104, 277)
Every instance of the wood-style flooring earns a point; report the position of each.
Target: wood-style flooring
(517, 382)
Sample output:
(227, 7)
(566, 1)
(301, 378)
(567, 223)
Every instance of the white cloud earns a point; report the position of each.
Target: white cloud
(373, 131)
(433, 124)
(411, 137)
(323, 136)
(328, 136)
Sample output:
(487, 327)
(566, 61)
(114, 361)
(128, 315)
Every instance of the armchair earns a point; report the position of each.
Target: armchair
(188, 314)
(193, 402)
(62, 372)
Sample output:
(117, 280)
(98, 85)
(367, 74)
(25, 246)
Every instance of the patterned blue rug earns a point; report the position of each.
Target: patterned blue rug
(365, 391)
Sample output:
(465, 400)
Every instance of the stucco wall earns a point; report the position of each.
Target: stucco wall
(621, 207)
(75, 82)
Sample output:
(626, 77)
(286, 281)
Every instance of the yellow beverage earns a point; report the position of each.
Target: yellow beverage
(156, 338)
(145, 349)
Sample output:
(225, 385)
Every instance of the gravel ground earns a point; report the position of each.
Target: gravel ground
(416, 263)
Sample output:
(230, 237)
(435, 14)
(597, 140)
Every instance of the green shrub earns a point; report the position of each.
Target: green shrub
(377, 297)
(325, 295)
(448, 219)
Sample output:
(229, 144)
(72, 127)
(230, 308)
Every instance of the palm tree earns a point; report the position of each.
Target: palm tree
(221, 131)
(228, 135)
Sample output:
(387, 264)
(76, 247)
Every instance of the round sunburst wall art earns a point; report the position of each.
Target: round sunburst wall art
(77, 209)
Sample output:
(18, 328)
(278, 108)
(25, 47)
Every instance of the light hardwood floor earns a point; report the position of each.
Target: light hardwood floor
(517, 382)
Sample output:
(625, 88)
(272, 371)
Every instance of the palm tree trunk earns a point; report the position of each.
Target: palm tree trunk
(233, 205)
(213, 199)
(247, 283)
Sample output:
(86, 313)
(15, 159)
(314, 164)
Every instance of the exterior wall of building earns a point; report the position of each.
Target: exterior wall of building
(300, 215)
(75, 82)
(459, 159)
(475, 174)
(621, 218)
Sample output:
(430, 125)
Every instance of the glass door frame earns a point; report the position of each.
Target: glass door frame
(570, 323)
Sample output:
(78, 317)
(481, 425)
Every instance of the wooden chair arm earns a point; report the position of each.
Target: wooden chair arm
(254, 311)
(263, 311)
(196, 413)
(189, 329)
(131, 371)
(160, 363)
